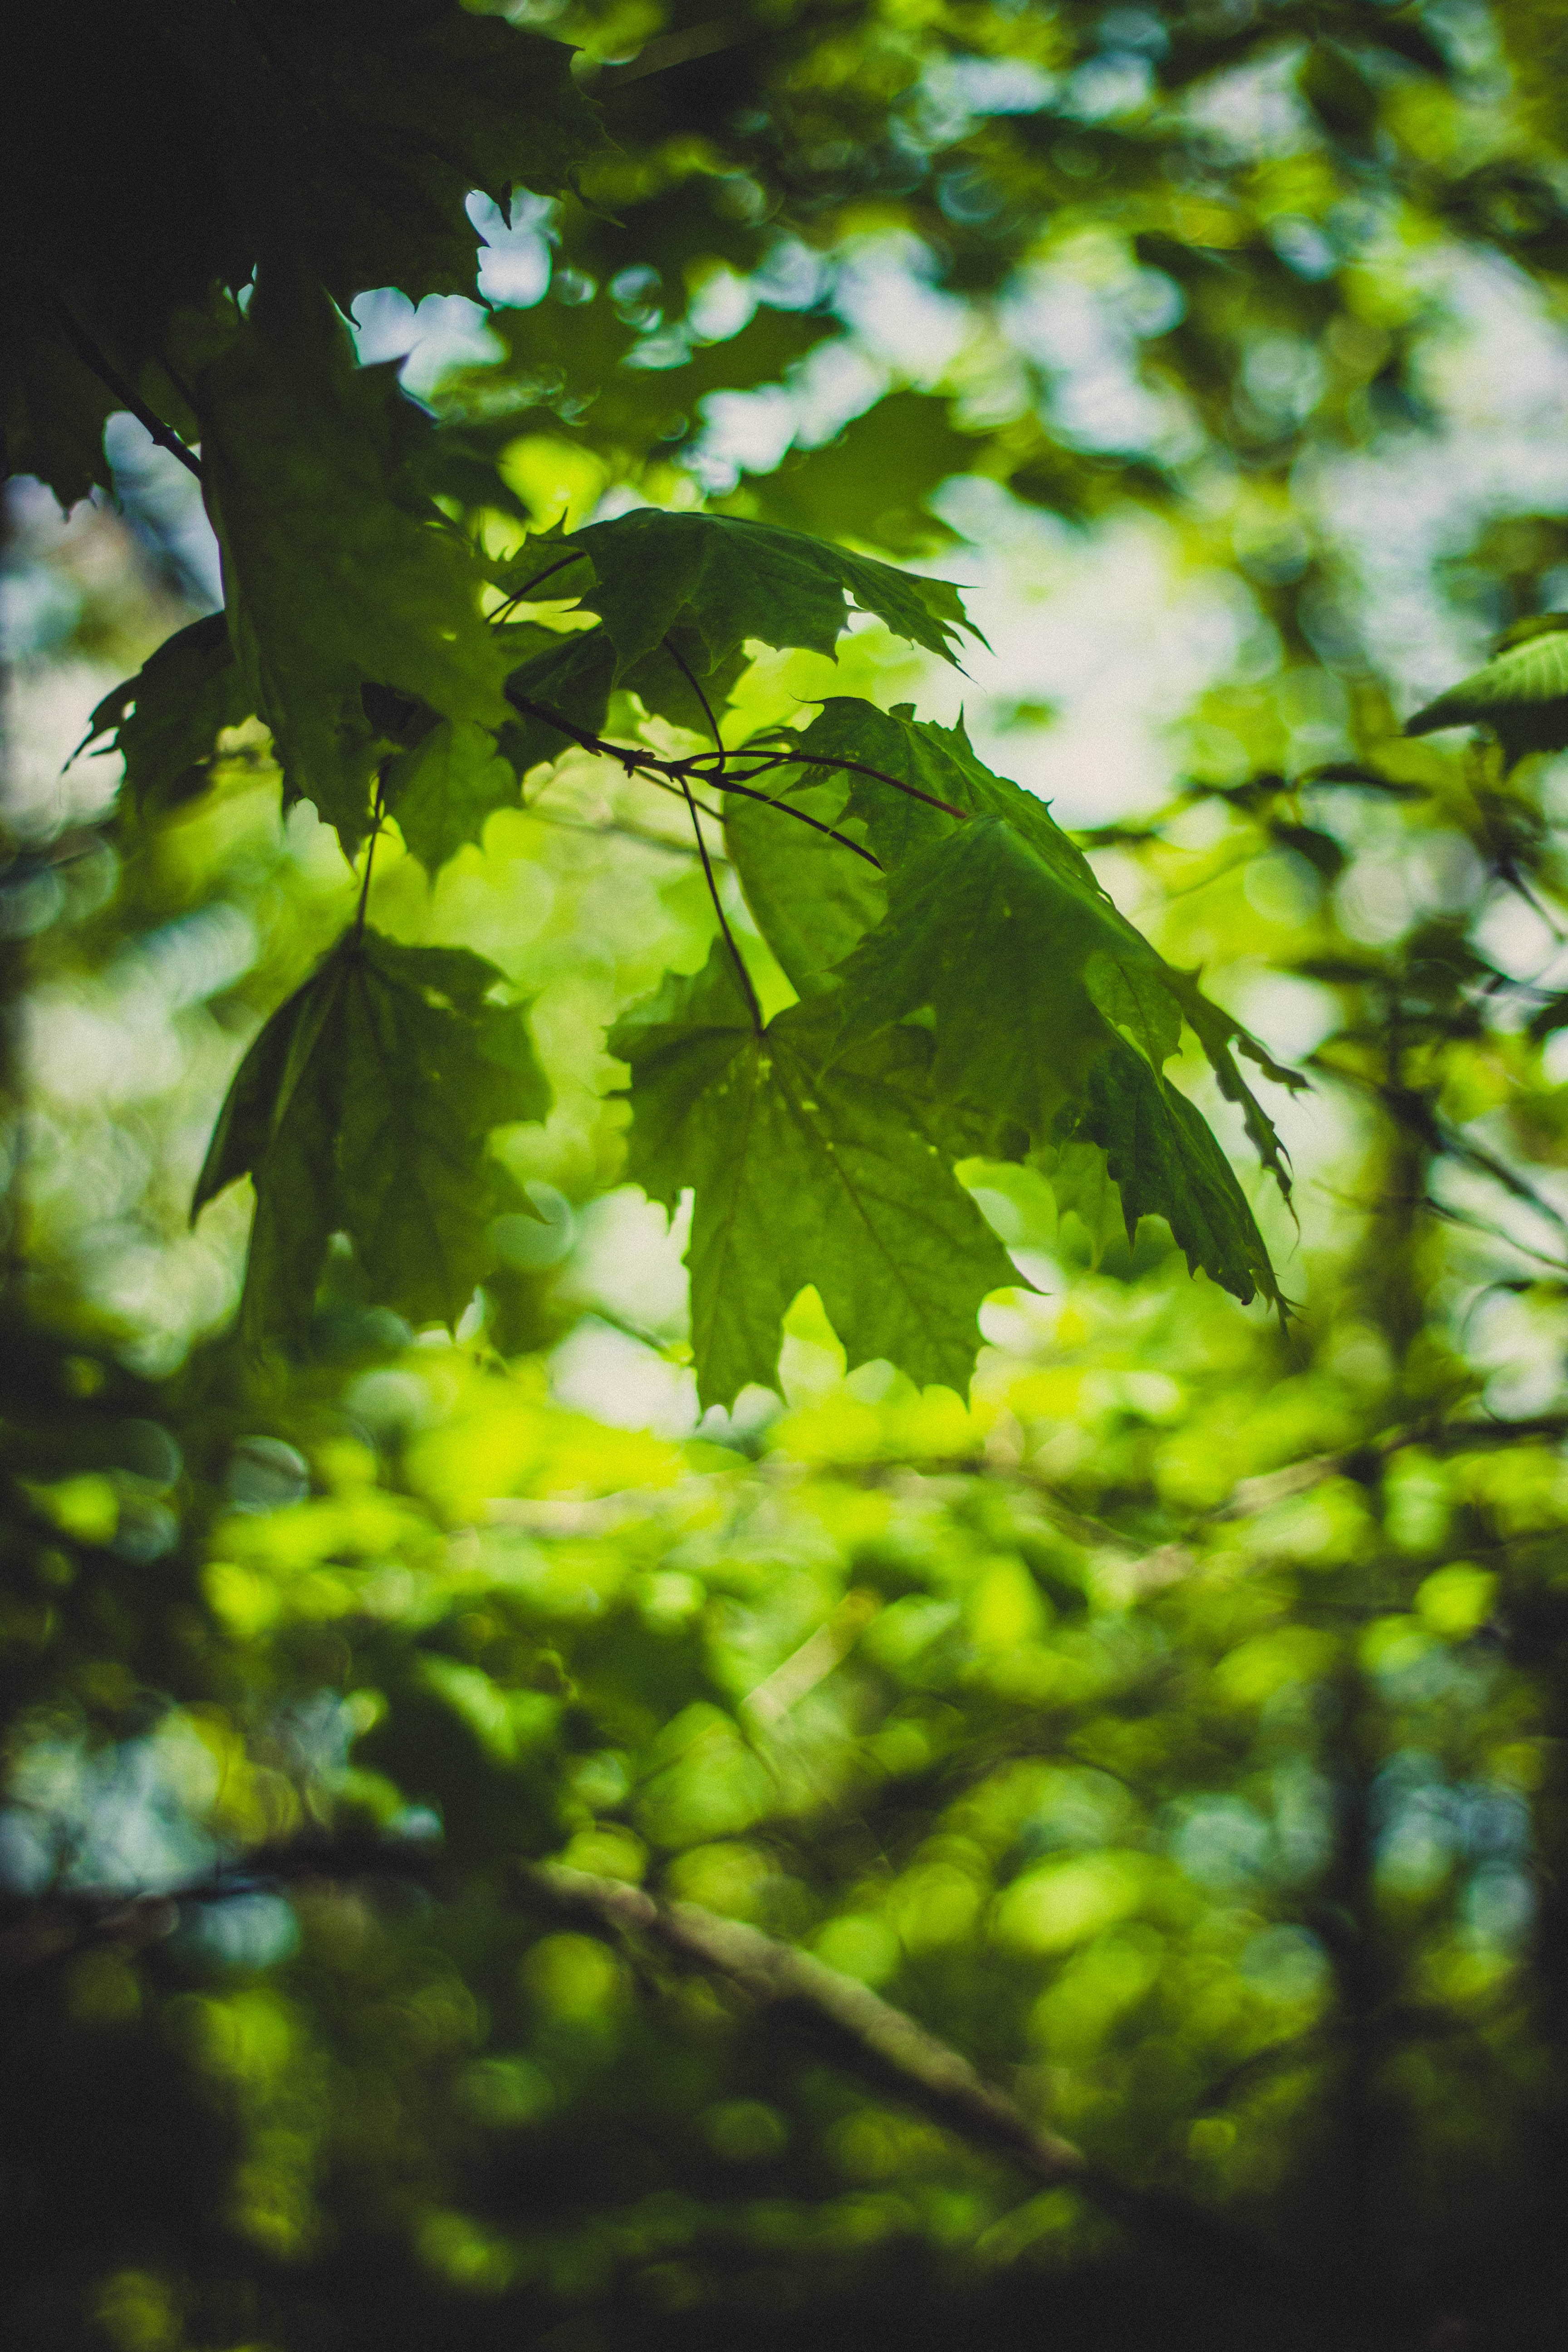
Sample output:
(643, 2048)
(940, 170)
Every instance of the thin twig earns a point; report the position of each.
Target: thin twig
(859, 768)
(726, 784)
(86, 350)
(706, 767)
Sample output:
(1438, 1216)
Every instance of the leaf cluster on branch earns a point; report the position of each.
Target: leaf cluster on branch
(966, 987)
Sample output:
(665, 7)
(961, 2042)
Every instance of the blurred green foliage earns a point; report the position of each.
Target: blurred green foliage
(1175, 1726)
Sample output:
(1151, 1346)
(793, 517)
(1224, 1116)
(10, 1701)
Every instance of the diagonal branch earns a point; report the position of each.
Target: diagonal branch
(867, 2036)
(86, 350)
(873, 2037)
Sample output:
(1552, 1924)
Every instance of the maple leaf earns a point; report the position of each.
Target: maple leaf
(334, 582)
(802, 1174)
(726, 580)
(168, 718)
(364, 1107)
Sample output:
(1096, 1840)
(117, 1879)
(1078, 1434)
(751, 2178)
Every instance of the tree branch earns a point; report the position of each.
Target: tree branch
(868, 2033)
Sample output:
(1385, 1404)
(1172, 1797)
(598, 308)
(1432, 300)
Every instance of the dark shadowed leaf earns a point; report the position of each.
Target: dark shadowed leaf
(333, 583)
(168, 718)
(443, 790)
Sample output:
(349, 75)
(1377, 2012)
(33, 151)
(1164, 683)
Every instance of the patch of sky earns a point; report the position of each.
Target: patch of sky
(886, 292)
(1515, 1342)
(445, 332)
(1399, 507)
(516, 259)
(1079, 317)
(721, 306)
(1424, 1822)
(1500, 1905)
(1255, 112)
(115, 1817)
(1222, 1843)
(956, 90)
(242, 1932)
(1117, 83)
(792, 276)
(751, 432)
(160, 500)
(1302, 245)
(620, 1380)
(1059, 610)
(39, 607)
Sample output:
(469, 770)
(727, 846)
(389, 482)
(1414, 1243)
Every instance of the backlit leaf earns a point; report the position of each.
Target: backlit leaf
(812, 897)
(443, 790)
(1521, 693)
(366, 1108)
(801, 1175)
(730, 579)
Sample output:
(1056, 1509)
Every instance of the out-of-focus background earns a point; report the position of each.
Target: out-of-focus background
(1175, 1725)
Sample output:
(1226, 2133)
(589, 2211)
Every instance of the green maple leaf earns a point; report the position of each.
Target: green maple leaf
(422, 104)
(364, 1107)
(725, 581)
(1216, 1031)
(335, 581)
(1166, 1163)
(1000, 946)
(52, 416)
(168, 718)
(802, 1174)
(443, 790)
(1029, 978)
(945, 776)
(1521, 693)
(1063, 910)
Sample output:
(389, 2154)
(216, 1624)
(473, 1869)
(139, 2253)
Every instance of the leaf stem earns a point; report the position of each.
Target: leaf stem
(688, 674)
(378, 811)
(735, 956)
(520, 596)
(86, 350)
(726, 784)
